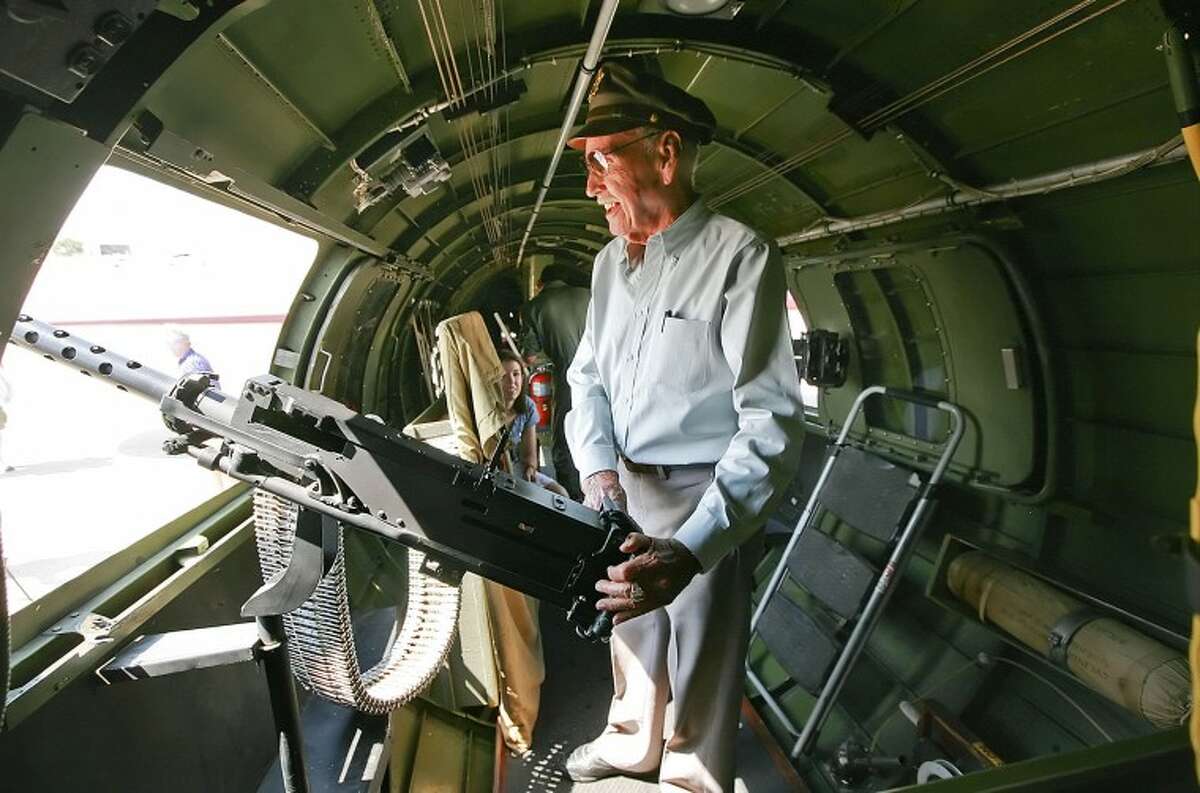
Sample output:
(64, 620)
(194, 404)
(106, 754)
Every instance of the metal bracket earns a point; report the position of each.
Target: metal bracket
(1063, 631)
(57, 47)
(181, 651)
(313, 553)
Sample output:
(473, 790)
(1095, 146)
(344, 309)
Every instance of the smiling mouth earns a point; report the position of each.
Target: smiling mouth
(608, 203)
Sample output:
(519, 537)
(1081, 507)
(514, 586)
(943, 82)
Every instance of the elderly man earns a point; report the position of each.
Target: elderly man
(686, 401)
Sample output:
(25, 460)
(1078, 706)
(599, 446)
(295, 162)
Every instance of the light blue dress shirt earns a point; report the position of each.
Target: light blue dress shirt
(685, 359)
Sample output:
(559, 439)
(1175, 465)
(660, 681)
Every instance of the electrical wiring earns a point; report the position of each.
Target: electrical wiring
(952, 80)
(1065, 696)
(984, 660)
(923, 694)
(483, 153)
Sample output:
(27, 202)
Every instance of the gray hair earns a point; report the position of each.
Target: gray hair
(689, 152)
(175, 334)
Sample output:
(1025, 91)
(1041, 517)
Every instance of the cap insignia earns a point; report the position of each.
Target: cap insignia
(599, 78)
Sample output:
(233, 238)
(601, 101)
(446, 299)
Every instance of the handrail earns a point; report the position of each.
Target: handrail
(587, 68)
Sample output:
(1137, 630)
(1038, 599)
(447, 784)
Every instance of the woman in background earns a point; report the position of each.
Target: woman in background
(522, 439)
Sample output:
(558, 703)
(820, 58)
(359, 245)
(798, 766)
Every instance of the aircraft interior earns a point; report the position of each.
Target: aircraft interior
(985, 574)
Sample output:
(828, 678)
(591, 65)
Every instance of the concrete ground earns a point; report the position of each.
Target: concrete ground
(89, 477)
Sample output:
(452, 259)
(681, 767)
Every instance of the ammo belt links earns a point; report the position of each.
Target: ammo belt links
(321, 636)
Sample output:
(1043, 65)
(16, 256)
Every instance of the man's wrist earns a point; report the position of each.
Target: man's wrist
(703, 538)
(687, 558)
(593, 461)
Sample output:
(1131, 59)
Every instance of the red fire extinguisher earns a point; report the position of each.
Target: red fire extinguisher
(541, 391)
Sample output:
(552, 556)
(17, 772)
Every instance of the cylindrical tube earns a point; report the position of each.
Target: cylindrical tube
(95, 360)
(1124, 665)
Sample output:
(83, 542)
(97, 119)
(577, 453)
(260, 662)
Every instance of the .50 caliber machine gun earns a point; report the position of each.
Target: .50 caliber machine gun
(342, 469)
(328, 459)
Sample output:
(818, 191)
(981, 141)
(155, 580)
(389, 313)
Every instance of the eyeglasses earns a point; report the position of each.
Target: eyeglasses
(597, 161)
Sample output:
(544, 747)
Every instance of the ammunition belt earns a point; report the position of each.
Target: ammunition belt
(321, 635)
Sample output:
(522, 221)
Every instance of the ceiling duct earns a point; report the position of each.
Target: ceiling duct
(408, 161)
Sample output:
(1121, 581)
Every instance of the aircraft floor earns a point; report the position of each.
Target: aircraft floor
(575, 700)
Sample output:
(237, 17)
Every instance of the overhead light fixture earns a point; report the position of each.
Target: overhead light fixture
(708, 9)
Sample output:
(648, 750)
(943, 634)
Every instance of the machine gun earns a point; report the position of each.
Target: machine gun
(328, 459)
(344, 469)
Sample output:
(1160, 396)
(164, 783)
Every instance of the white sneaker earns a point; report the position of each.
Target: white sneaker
(584, 765)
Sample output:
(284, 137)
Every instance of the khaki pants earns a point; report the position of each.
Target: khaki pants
(517, 641)
(678, 671)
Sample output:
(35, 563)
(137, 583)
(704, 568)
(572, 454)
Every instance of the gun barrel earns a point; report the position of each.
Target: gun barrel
(126, 374)
(67, 349)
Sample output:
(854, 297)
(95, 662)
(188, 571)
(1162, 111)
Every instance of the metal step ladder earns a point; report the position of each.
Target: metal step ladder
(876, 497)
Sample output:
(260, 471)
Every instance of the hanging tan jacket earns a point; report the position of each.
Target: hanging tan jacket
(472, 373)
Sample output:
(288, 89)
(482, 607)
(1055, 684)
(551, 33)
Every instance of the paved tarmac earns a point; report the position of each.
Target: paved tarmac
(89, 477)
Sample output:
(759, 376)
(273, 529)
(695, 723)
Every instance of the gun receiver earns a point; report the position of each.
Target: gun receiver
(331, 460)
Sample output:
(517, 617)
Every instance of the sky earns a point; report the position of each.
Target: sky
(189, 257)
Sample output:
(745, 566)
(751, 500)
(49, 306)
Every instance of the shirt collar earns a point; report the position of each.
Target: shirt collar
(675, 236)
(685, 228)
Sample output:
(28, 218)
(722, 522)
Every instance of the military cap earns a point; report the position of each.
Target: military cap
(622, 99)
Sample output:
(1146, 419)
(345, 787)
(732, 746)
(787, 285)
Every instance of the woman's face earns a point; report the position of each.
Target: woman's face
(510, 384)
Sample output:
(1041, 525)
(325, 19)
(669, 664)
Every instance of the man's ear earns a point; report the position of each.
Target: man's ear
(670, 148)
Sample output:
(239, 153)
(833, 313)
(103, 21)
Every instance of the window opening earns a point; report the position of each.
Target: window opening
(137, 266)
(898, 345)
(798, 327)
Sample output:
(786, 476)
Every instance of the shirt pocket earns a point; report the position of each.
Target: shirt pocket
(679, 358)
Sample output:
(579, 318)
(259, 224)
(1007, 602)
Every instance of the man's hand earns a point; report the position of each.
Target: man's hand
(651, 579)
(601, 484)
(530, 473)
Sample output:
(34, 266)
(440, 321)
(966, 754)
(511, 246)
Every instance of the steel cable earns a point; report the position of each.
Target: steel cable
(952, 80)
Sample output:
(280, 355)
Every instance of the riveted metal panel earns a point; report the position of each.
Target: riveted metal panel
(952, 296)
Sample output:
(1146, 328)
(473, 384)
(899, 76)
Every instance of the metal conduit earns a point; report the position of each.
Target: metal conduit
(1075, 176)
(586, 69)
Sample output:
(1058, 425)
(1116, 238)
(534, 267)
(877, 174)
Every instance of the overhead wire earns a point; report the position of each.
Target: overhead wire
(930, 91)
(956, 78)
(473, 147)
(489, 150)
(468, 132)
(499, 154)
(478, 148)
